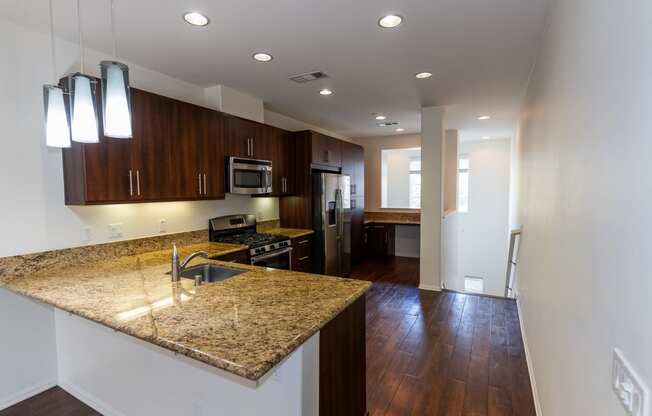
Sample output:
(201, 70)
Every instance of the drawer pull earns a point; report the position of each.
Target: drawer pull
(304, 242)
(304, 258)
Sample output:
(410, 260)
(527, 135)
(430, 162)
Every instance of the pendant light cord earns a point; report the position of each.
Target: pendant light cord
(52, 47)
(115, 47)
(81, 38)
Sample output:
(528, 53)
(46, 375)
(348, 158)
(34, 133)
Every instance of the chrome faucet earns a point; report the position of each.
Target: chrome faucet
(178, 268)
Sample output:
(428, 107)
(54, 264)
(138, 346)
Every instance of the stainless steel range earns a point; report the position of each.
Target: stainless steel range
(268, 250)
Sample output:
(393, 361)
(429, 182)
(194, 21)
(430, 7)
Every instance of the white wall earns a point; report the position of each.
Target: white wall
(288, 123)
(432, 133)
(28, 350)
(586, 204)
(483, 230)
(33, 210)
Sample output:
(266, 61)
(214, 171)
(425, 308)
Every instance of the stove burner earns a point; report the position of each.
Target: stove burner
(252, 240)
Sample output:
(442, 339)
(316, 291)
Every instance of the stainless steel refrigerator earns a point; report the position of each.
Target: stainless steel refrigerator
(332, 223)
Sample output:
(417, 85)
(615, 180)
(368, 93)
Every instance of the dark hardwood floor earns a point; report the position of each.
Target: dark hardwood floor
(428, 353)
(445, 353)
(53, 402)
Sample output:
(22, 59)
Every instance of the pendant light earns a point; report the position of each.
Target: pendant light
(116, 99)
(84, 115)
(57, 130)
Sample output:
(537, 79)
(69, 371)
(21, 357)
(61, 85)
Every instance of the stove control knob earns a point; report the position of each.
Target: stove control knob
(272, 246)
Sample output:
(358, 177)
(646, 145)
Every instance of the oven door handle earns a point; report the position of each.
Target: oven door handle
(270, 255)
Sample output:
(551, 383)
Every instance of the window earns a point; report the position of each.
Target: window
(401, 178)
(463, 184)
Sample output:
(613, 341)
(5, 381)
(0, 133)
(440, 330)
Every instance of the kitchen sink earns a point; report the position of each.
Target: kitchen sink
(209, 273)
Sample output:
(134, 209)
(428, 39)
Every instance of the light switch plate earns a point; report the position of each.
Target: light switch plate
(632, 392)
(163, 225)
(87, 234)
(115, 230)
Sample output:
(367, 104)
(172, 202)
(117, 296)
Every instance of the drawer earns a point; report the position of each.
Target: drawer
(238, 257)
(302, 254)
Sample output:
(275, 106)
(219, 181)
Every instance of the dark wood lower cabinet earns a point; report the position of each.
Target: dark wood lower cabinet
(342, 363)
(380, 240)
(302, 254)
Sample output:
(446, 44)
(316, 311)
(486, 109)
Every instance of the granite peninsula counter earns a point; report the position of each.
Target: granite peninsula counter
(246, 325)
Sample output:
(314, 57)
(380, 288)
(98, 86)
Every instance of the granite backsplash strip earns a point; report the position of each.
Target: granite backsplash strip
(35, 262)
(392, 216)
(264, 226)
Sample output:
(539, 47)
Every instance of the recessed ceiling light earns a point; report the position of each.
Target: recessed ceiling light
(400, 129)
(484, 117)
(390, 21)
(262, 57)
(196, 19)
(325, 91)
(486, 137)
(423, 75)
(380, 117)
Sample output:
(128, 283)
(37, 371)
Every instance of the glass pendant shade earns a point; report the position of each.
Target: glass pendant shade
(84, 117)
(57, 130)
(116, 100)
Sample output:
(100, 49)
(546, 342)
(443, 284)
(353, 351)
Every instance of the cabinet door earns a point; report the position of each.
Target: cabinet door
(326, 150)
(241, 135)
(154, 116)
(353, 165)
(211, 154)
(279, 143)
(107, 169)
(185, 180)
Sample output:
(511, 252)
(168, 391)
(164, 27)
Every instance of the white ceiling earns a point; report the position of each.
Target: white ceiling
(480, 52)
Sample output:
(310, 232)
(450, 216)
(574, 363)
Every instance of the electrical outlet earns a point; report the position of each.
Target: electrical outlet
(633, 394)
(87, 234)
(115, 230)
(259, 214)
(163, 225)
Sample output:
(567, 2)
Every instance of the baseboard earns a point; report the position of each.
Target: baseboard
(26, 393)
(89, 399)
(430, 288)
(528, 359)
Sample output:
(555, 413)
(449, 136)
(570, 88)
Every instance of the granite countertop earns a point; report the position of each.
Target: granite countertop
(213, 249)
(290, 232)
(395, 222)
(244, 325)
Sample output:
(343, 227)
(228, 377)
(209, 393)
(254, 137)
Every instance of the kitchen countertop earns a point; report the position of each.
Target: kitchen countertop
(393, 222)
(290, 232)
(244, 325)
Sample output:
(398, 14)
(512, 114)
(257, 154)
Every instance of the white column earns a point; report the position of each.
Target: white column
(432, 135)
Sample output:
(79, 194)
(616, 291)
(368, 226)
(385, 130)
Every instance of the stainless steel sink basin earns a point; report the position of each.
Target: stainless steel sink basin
(209, 273)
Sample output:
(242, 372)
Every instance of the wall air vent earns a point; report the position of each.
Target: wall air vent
(388, 123)
(308, 76)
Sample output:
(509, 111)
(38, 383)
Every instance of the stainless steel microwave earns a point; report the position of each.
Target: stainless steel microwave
(249, 176)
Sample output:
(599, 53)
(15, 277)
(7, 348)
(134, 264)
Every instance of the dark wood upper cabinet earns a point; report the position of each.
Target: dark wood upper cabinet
(176, 153)
(247, 139)
(211, 154)
(326, 150)
(153, 145)
(281, 156)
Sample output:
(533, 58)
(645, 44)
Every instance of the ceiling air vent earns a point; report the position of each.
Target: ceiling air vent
(388, 123)
(308, 76)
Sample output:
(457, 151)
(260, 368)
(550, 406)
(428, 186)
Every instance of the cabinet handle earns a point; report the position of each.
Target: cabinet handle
(386, 237)
(248, 148)
(304, 258)
(131, 183)
(199, 182)
(285, 185)
(353, 204)
(304, 242)
(205, 193)
(252, 147)
(138, 181)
